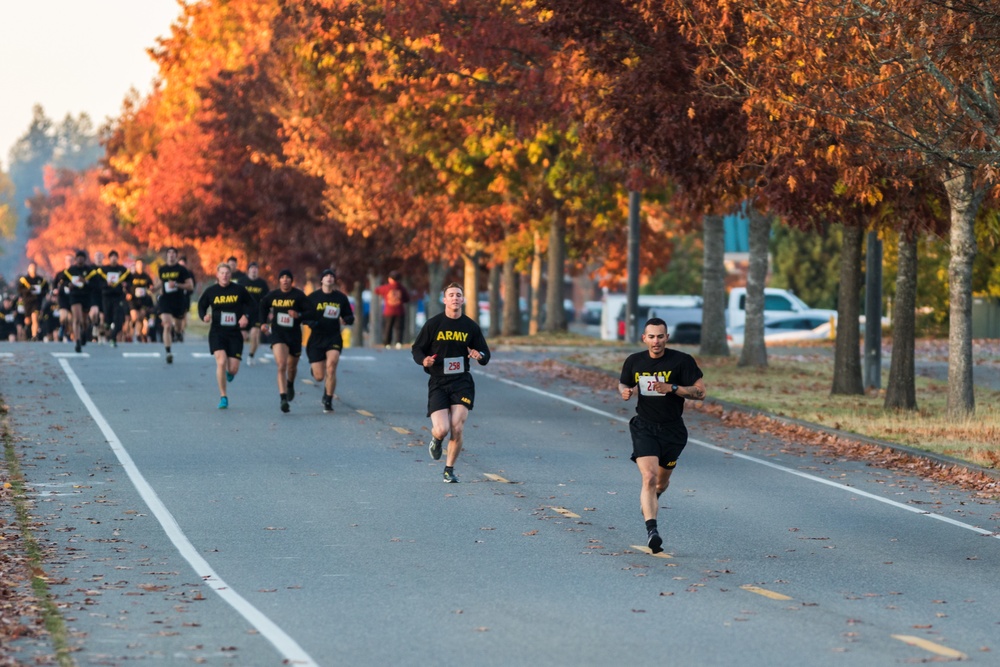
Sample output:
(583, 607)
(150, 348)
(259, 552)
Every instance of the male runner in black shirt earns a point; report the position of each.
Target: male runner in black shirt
(114, 276)
(256, 287)
(662, 378)
(32, 289)
(281, 313)
(231, 308)
(329, 307)
(443, 347)
(139, 297)
(174, 279)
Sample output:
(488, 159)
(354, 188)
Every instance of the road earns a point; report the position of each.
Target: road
(182, 533)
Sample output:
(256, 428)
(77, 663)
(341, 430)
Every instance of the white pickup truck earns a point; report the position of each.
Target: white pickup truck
(683, 313)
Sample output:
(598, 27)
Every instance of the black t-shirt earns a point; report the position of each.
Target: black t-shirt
(32, 290)
(256, 287)
(174, 273)
(275, 307)
(640, 370)
(114, 278)
(327, 311)
(228, 305)
(139, 285)
(450, 339)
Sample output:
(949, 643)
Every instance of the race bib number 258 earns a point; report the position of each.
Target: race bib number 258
(454, 365)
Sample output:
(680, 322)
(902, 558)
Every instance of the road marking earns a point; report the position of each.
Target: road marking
(6, 355)
(365, 413)
(71, 355)
(347, 357)
(766, 593)
(649, 552)
(288, 647)
(400, 429)
(496, 478)
(565, 512)
(938, 649)
(140, 354)
(202, 355)
(747, 457)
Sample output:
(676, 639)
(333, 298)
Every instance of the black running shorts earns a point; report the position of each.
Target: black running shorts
(287, 336)
(320, 344)
(664, 441)
(231, 342)
(444, 392)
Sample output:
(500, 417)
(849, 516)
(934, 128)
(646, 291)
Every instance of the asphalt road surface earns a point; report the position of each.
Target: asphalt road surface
(179, 533)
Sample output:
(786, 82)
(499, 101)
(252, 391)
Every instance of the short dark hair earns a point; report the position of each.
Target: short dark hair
(656, 322)
(328, 272)
(232, 259)
(450, 285)
(286, 272)
(253, 264)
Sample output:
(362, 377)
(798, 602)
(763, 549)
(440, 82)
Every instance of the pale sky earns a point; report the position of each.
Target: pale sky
(74, 56)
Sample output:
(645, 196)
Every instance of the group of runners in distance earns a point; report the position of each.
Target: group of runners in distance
(118, 303)
(98, 301)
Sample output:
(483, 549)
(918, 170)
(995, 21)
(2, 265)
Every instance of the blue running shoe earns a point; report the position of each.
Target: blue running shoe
(223, 403)
(229, 376)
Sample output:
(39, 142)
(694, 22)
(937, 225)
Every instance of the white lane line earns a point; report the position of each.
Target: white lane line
(71, 355)
(6, 355)
(769, 464)
(129, 355)
(288, 647)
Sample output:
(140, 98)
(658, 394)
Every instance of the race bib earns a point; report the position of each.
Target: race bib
(10, 317)
(331, 312)
(77, 281)
(169, 287)
(284, 319)
(454, 365)
(140, 291)
(113, 278)
(36, 289)
(228, 319)
(647, 384)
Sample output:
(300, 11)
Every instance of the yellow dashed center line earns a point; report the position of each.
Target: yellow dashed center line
(647, 550)
(566, 513)
(496, 478)
(365, 413)
(766, 593)
(937, 649)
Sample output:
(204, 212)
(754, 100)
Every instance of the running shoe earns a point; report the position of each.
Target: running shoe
(654, 541)
(223, 403)
(170, 358)
(78, 347)
(327, 404)
(434, 449)
(284, 405)
(291, 392)
(229, 376)
(450, 478)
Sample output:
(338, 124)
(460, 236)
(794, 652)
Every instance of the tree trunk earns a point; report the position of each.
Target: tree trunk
(536, 286)
(358, 328)
(754, 351)
(495, 314)
(847, 348)
(470, 274)
(964, 199)
(901, 391)
(374, 312)
(555, 314)
(511, 299)
(436, 272)
(713, 287)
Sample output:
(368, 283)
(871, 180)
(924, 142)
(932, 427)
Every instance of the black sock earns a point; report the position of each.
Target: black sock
(650, 525)
(449, 469)
(284, 396)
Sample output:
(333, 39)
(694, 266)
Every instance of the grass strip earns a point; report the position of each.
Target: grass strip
(51, 617)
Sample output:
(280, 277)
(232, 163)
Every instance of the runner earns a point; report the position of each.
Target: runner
(139, 298)
(231, 307)
(329, 307)
(238, 276)
(78, 279)
(443, 347)
(662, 378)
(174, 279)
(8, 319)
(281, 313)
(32, 289)
(257, 287)
(60, 285)
(114, 277)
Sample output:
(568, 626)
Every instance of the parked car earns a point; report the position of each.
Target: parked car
(788, 328)
(592, 312)
(686, 334)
